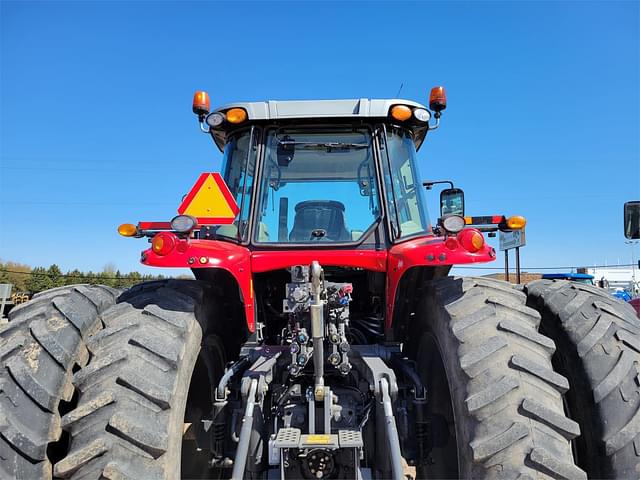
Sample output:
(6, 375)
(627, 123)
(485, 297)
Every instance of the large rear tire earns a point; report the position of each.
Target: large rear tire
(129, 422)
(39, 348)
(598, 338)
(489, 379)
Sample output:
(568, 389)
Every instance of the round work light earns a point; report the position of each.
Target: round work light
(453, 223)
(183, 223)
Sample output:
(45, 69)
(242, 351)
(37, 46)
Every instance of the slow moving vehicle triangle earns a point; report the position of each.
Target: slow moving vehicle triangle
(210, 201)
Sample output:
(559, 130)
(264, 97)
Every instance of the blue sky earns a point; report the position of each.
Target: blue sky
(96, 124)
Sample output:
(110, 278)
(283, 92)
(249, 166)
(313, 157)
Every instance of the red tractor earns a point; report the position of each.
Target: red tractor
(322, 336)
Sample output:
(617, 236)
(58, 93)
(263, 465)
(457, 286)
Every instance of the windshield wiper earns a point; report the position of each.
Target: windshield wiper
(323, 145)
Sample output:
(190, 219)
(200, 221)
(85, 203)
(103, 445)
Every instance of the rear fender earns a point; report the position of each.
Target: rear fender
(407, 294)
(202, 255)
(434, 257)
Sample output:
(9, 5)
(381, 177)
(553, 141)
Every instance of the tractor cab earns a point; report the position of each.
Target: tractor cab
(322, 174)
(332, 181)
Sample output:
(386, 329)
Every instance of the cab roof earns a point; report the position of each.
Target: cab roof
(296, 110)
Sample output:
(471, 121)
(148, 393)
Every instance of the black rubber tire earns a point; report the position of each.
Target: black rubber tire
(598, 338)
(505, 397)
(39, 348)
(129, 419)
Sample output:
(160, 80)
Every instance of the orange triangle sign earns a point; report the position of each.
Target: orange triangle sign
(210, 201)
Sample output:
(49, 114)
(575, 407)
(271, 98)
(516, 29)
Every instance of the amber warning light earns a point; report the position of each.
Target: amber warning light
(401, 112)
(517, 222)
(201, 103)
(127, 230)
(438, 100)
(236, 115)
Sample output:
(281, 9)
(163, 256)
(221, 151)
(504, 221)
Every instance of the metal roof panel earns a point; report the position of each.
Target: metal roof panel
(281, 109)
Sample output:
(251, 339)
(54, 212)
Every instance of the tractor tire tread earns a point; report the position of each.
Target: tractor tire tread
(39, 347)
(604, 334)
(140, 369)
(512, 395)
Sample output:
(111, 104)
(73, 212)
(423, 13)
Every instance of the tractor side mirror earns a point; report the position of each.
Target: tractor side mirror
(452, 202)
(632, 220)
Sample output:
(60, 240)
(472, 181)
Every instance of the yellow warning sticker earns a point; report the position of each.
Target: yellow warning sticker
(319, 439)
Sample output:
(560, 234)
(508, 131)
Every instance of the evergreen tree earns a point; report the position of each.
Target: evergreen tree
(55, 276)
(74, 277)
(4, 275)
(25, 279)
(91, 278)
(38, 281)
(132, 279)
(119, 281)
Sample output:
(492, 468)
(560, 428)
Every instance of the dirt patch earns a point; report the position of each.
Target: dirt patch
(56, 323)
(31, 354)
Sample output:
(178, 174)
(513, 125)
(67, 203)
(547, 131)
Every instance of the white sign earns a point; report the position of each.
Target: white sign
(513, 239)
(5, 290)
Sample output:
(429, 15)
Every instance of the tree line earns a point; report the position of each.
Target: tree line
(33, 280)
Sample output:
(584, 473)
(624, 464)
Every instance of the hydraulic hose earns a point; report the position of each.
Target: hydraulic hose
(235, 368)
(411, 374)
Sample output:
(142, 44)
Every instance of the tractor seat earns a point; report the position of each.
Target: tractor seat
(327, 215)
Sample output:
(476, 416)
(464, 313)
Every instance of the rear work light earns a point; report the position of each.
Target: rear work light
(421, 115)
(453, 223)
(183, 223)
(215, 119)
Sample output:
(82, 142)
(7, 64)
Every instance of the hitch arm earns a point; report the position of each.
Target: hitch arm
(245, 433)
(392, 431)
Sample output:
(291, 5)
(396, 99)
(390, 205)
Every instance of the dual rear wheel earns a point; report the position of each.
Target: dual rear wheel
(489, 374)
(533, 382)
(598, 349)
(40, 348)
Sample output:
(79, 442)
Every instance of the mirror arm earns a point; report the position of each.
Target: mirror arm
(429, 185)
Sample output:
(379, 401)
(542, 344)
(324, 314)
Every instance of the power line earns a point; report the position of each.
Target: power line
(549, 268)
